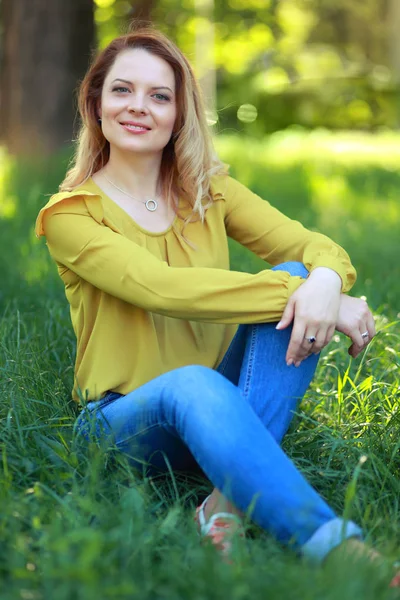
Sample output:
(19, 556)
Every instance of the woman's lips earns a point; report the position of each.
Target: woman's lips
(135, 128)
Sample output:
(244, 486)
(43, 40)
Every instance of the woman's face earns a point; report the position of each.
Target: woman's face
(138, 105)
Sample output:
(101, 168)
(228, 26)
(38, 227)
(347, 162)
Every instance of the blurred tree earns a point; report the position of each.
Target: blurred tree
(394, 31)
(308, 62)
(112, 17)
(142, 9)
(205, 55)
(329, 63)
(45, 51)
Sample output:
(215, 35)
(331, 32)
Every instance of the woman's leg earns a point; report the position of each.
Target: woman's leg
(119, 426)
(230, 443)
(256, 363)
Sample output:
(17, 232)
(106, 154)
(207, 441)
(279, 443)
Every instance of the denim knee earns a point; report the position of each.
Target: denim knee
(189, 373)
(196, 385)
(292, 267)
(195, 377)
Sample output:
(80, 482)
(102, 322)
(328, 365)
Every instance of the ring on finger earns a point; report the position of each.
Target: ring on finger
(311, 339)
(365, 335)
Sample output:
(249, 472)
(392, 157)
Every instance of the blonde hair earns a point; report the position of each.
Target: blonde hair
(188, 161)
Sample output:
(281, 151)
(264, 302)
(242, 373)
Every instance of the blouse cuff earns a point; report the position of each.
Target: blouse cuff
(294, 283)
(347, 273)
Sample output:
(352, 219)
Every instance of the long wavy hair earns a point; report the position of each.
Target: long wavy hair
(188, 160)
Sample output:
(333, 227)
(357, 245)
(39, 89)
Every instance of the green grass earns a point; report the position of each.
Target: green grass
(75, 526)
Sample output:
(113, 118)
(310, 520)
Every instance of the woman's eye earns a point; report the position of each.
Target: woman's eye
(160, 97)
(120, 89)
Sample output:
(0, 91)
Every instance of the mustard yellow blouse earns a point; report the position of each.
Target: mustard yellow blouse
(145, 303)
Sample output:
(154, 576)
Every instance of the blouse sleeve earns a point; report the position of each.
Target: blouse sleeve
(77, 239)
(274, 237)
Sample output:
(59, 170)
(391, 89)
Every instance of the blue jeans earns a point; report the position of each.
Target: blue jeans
(230, 422)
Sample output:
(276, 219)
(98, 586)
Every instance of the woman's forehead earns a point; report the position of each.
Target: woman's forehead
(139, 65)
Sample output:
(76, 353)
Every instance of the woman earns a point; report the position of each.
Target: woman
(139, 234)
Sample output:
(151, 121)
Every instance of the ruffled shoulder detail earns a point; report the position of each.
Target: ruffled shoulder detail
(219, 184)
(93, 204)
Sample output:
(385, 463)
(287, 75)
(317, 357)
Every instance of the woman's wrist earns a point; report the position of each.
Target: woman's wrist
(328, 276)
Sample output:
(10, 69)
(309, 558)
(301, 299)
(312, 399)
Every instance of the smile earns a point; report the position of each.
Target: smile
(135, 127)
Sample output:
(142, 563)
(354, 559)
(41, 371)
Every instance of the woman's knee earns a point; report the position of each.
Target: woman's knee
(292, 267)
(196, 384)
(196, 377)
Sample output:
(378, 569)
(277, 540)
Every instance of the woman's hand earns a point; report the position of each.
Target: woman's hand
(314, 307)
(355, 320)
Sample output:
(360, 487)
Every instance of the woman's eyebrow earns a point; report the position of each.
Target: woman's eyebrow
(154, 87)
(162, 87)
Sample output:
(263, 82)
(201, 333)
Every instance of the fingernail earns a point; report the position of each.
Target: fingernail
(297, 364)
(289, 362)
(279, 325)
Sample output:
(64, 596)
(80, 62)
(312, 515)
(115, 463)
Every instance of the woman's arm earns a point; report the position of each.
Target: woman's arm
(314, 307)
(130, 272)
(274, 237)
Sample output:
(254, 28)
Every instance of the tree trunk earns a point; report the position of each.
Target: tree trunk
(45, 51)
(205, 56)
(394, 37)
(394, 51)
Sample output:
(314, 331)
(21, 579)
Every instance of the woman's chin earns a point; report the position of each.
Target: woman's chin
(139, 148)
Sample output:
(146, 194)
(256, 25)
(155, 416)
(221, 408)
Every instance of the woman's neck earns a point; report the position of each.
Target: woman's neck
(139, 175)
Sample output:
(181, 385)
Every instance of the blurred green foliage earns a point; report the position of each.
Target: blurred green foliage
(315, 63)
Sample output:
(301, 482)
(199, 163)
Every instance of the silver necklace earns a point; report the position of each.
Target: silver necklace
(151, 204)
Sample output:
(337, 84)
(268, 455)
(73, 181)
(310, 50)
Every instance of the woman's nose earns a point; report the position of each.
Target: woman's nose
(138, 105)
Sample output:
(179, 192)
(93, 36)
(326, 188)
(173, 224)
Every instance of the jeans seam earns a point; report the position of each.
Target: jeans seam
(250, 361)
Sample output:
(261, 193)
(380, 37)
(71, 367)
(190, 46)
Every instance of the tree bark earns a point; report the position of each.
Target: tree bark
(394, 37)
(45, 51)
(205, 57)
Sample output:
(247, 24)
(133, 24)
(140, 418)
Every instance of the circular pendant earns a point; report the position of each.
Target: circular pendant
(151, 205)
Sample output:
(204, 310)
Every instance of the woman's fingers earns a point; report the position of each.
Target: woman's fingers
(320, 341)
(306, 347)
(362, 336)
(357, 337)
(355, 350)
(297, 349)
(328, 337)
(305, 342)
(312, 343)
(357, 322)
(322, 337)
(288, 315)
